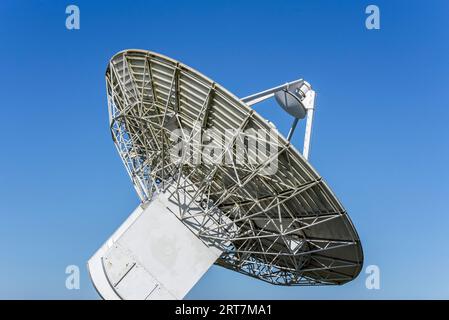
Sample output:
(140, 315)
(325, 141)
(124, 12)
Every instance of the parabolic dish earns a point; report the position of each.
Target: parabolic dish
(284, 227)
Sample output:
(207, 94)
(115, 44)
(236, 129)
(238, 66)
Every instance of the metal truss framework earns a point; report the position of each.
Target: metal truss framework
(286, 228)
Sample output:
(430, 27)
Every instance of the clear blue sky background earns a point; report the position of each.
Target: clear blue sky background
(381, 136)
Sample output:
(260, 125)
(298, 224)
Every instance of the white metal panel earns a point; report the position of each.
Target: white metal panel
(117, 264)
(167, 249)
(137, 284)
(95, 264)
(153, 255)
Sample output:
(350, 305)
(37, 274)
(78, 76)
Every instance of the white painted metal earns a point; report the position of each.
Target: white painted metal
(95, 263)
(152, 256)
(269, 93)
(308, 133)
(291, 101)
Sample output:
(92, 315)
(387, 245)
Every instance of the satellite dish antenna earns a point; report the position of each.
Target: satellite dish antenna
(278, 223)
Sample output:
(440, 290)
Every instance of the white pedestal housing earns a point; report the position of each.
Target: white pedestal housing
(151, 256)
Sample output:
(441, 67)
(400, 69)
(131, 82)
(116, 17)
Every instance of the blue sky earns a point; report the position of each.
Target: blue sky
(381, 133)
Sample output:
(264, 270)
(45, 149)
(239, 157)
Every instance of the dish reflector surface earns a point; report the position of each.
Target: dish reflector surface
(284, 227)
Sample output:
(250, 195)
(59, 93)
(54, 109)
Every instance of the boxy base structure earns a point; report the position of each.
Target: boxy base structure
(151, 256)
